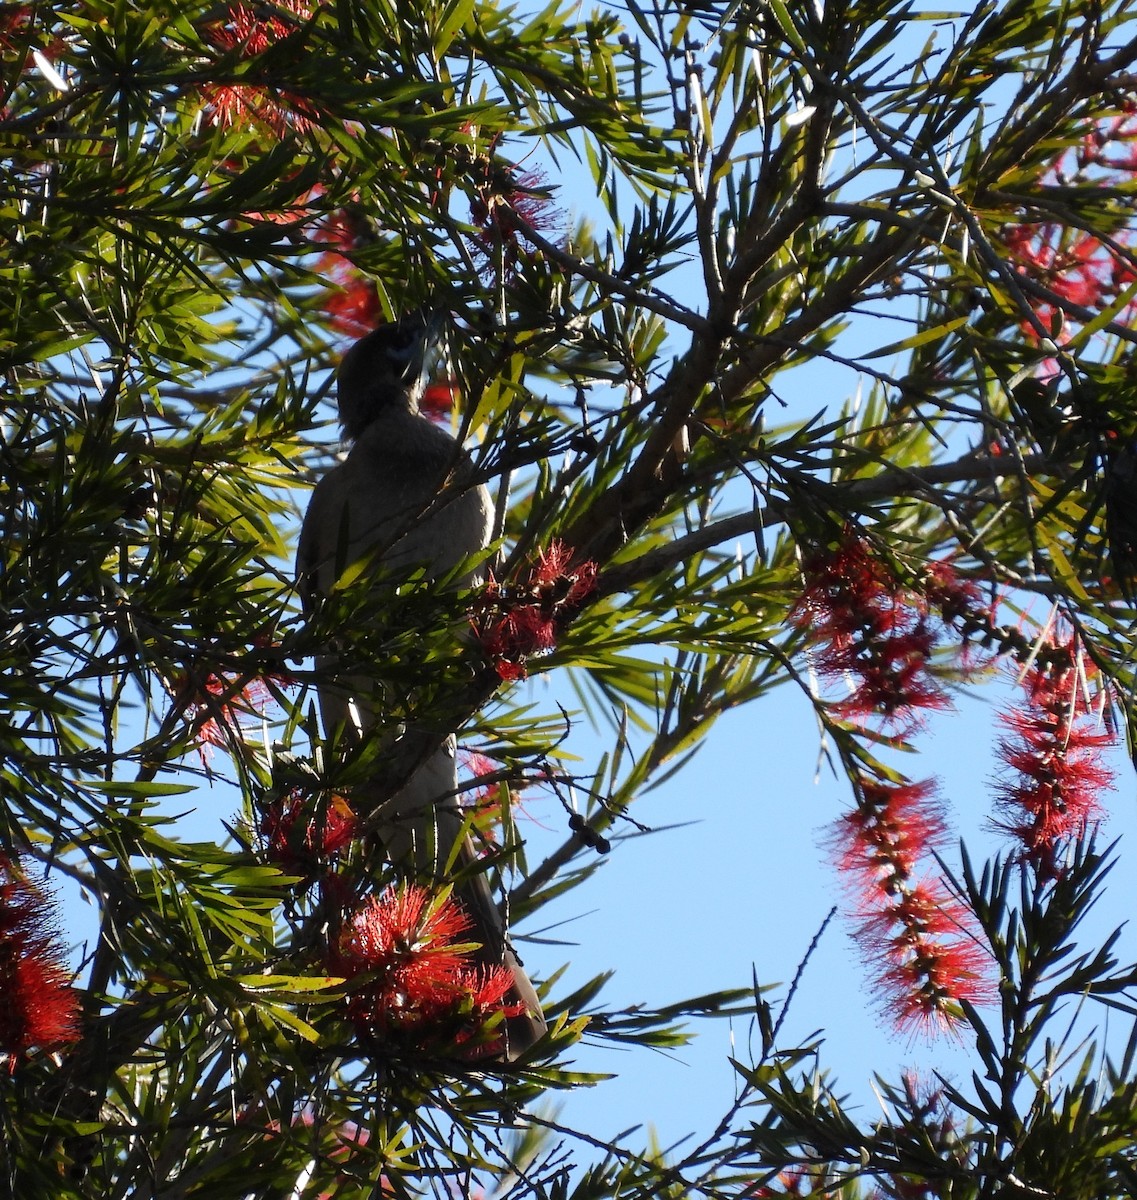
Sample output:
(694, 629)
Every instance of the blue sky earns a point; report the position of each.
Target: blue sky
(749, 885)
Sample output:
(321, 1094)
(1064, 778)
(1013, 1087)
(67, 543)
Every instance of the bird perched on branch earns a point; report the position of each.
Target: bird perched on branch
(404, 500)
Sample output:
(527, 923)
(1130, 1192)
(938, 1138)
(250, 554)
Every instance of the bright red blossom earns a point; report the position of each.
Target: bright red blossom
(1076, 266)
(879, 635)
(953, 596)
(300, 833)
(1050, 794)
(508, 204)
(793, 1181)
(414, 979)
(249, 31)
(892, 828)
(924, 946)
(15, 20)
(217, 704)
(871, 630)
(513, 623)
(514, 199)
(438, 398)
(916, 935)
(352, 301)
(39, 1008)
(354, 306)
(486, 800)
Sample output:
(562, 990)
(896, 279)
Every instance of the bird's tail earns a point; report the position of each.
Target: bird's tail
(523, 1029)
(424, 833)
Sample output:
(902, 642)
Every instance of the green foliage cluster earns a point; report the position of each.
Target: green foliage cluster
(775, 185)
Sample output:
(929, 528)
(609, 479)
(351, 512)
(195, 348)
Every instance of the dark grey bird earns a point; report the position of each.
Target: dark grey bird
(405, 499)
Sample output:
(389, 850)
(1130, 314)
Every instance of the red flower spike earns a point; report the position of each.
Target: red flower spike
(40, 1007)
(215, 707)
(485, 800)
(438, 398)
(355, 309)
(250, 33)
(299, 834)
(1077, 267)
(15, 20)
(512, 624)
(227, 706)
(479, 765)
(352, 302)
(892, 828)
(868, 628)
(482, 1033)
(414, 980)
(925, 988)
(927, 956)
(915, 934)
(1050, 793)
(507, 203)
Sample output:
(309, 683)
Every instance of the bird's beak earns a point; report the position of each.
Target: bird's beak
(432, 341)
(433, 329)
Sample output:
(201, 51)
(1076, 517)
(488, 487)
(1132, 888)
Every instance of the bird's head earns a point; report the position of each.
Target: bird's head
(382, 369)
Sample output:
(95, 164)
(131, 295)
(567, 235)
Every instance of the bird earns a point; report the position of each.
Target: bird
(406, 500)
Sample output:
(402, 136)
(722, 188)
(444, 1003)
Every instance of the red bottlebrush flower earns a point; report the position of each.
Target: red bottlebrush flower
(913, 933)
(893, 827)
(477, 763)
(40, 1007)
(413, 978)
(226, 707)
(15, 19)
(217, 705)
(520, 633)
(481, 1034)
(1076, 266)
(953, 597)
(1050, 794)
(405, 946)
(486, 800)
(508, 204)
(793, 1181)
(438, 398)
(559, 584)
(514, 623)
(483, 799)
(252, 31)
(299, 833)
(248, 31)
(927, 956)
(355, 309)
(868, 628)
(1080, 270)
(352, 302)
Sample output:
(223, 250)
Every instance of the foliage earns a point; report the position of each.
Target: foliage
(202, 203)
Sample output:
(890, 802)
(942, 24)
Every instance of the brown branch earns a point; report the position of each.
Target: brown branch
(894, 483)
